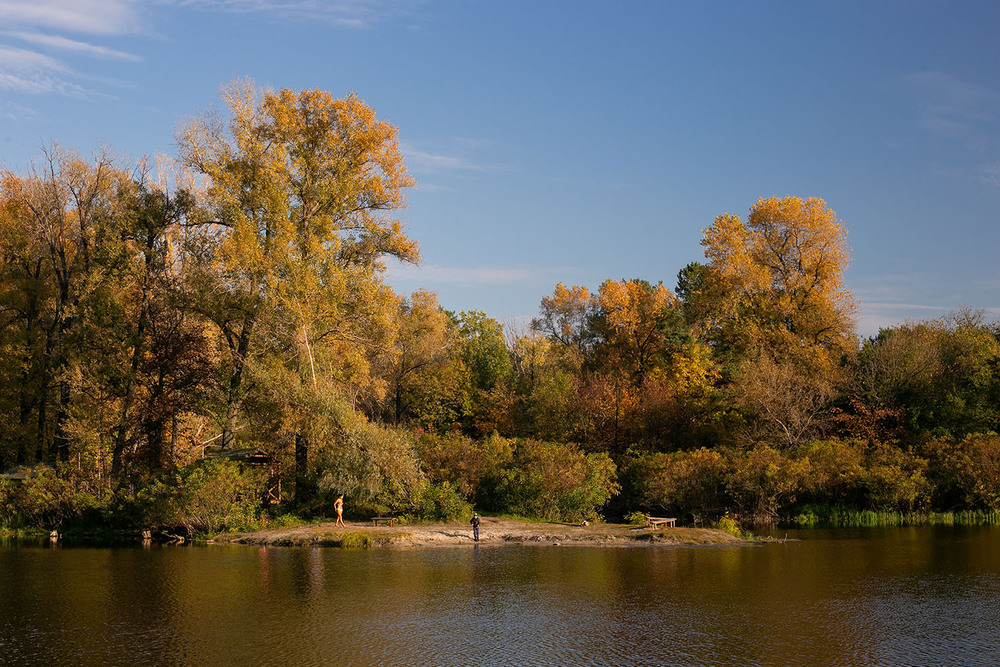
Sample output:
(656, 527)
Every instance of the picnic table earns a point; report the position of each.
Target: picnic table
(656, 522)
(391, 520)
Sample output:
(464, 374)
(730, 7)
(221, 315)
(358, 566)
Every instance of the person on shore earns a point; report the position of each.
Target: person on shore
(475, 526)
(338, 505)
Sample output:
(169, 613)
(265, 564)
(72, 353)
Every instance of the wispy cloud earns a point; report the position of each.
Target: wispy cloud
(74, 46)
(953, 107)
(880, 315)
(44, 68)
(346, 13)
(419, 160)
(990, 174)
(14, 111)
(92, 17)
(23, 71)
(430, 274)
(459, 155)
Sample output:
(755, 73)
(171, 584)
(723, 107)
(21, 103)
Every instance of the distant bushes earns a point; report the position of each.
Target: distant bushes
(557, 482)
(206, 497)
(767, 483)
(845, 482)
(442, 502)
(47, 498)
(544, 480)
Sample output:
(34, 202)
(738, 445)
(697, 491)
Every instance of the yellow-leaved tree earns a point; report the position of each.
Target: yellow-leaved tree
(777, 305)
(298, 212)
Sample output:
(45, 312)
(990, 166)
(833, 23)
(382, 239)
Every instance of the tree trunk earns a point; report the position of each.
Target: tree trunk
(235, 398)
(303, 485)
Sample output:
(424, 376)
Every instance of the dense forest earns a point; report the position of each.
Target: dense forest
(211, 343)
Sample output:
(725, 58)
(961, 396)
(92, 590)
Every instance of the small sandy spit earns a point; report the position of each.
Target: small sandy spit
(494, 531)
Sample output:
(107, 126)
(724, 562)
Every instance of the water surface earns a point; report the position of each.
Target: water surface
(905, 596)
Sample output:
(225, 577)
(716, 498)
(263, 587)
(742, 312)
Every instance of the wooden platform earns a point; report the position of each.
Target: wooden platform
(391, 520)
(656, 522)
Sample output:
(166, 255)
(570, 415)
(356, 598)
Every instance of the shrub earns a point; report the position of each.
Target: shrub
(729, 525)
(836, 471)
(636, 518)
(442, 502)
(558, 482)
(895, 479)
(374, 467)
(683, 481)
(970, 470)
(47, 497)
(208, 496)
(763, 480)
(474, 468)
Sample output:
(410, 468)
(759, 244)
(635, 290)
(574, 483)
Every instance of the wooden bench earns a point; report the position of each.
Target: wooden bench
(391, 520)
(656, 522)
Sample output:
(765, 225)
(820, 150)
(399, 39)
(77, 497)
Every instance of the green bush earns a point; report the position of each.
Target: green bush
(764, 480)
(46, 498)
(836, 471)
(442, 502)
(729, 525)
(473, 467)
(681, 481)
(209, 496)
(895, 479)
(636, 518)
(374, 467)
(557, 482)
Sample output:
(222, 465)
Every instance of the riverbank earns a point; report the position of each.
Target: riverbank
(494, 531)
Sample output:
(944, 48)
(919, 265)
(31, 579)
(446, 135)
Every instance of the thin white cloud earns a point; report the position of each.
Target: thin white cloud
(14, 111)
(29, 72)
(37, 22)
(346, 13)
(93, 17)
(883, 315)
(883, 306)
(431, 274)
(453, 159)
(422, 161)
(990, 174)
(74, 46)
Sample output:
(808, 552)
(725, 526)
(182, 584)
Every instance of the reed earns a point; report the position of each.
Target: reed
(854, 518)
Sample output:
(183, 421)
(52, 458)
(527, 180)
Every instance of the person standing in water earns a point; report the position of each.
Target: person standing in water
(338, 505)
(475, 526)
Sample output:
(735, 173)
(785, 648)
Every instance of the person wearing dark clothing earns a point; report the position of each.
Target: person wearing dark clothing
(475, 526)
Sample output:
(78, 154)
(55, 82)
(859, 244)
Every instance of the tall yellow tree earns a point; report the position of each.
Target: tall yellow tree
(299, 212)
(782, 277)
(777, 307)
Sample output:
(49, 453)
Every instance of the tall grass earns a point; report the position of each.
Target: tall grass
(853, 518)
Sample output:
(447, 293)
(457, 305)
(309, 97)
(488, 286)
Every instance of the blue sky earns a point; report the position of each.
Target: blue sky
(577, 141)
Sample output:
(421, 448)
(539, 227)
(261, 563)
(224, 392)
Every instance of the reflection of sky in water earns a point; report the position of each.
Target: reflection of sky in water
(895, 597)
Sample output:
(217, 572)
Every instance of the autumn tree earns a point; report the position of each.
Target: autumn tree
(781, 274)
(566, 318)
(488, 370)
(298, 216)
(426, 374)
(771, 298)
(941, 376)
(632, 324)
(61, 237)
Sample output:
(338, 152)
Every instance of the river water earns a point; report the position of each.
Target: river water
(902, 596)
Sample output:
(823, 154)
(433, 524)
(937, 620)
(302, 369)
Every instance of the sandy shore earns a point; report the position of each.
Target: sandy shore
(493, 532)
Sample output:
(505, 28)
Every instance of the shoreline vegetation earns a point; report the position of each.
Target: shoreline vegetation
(219, 349)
